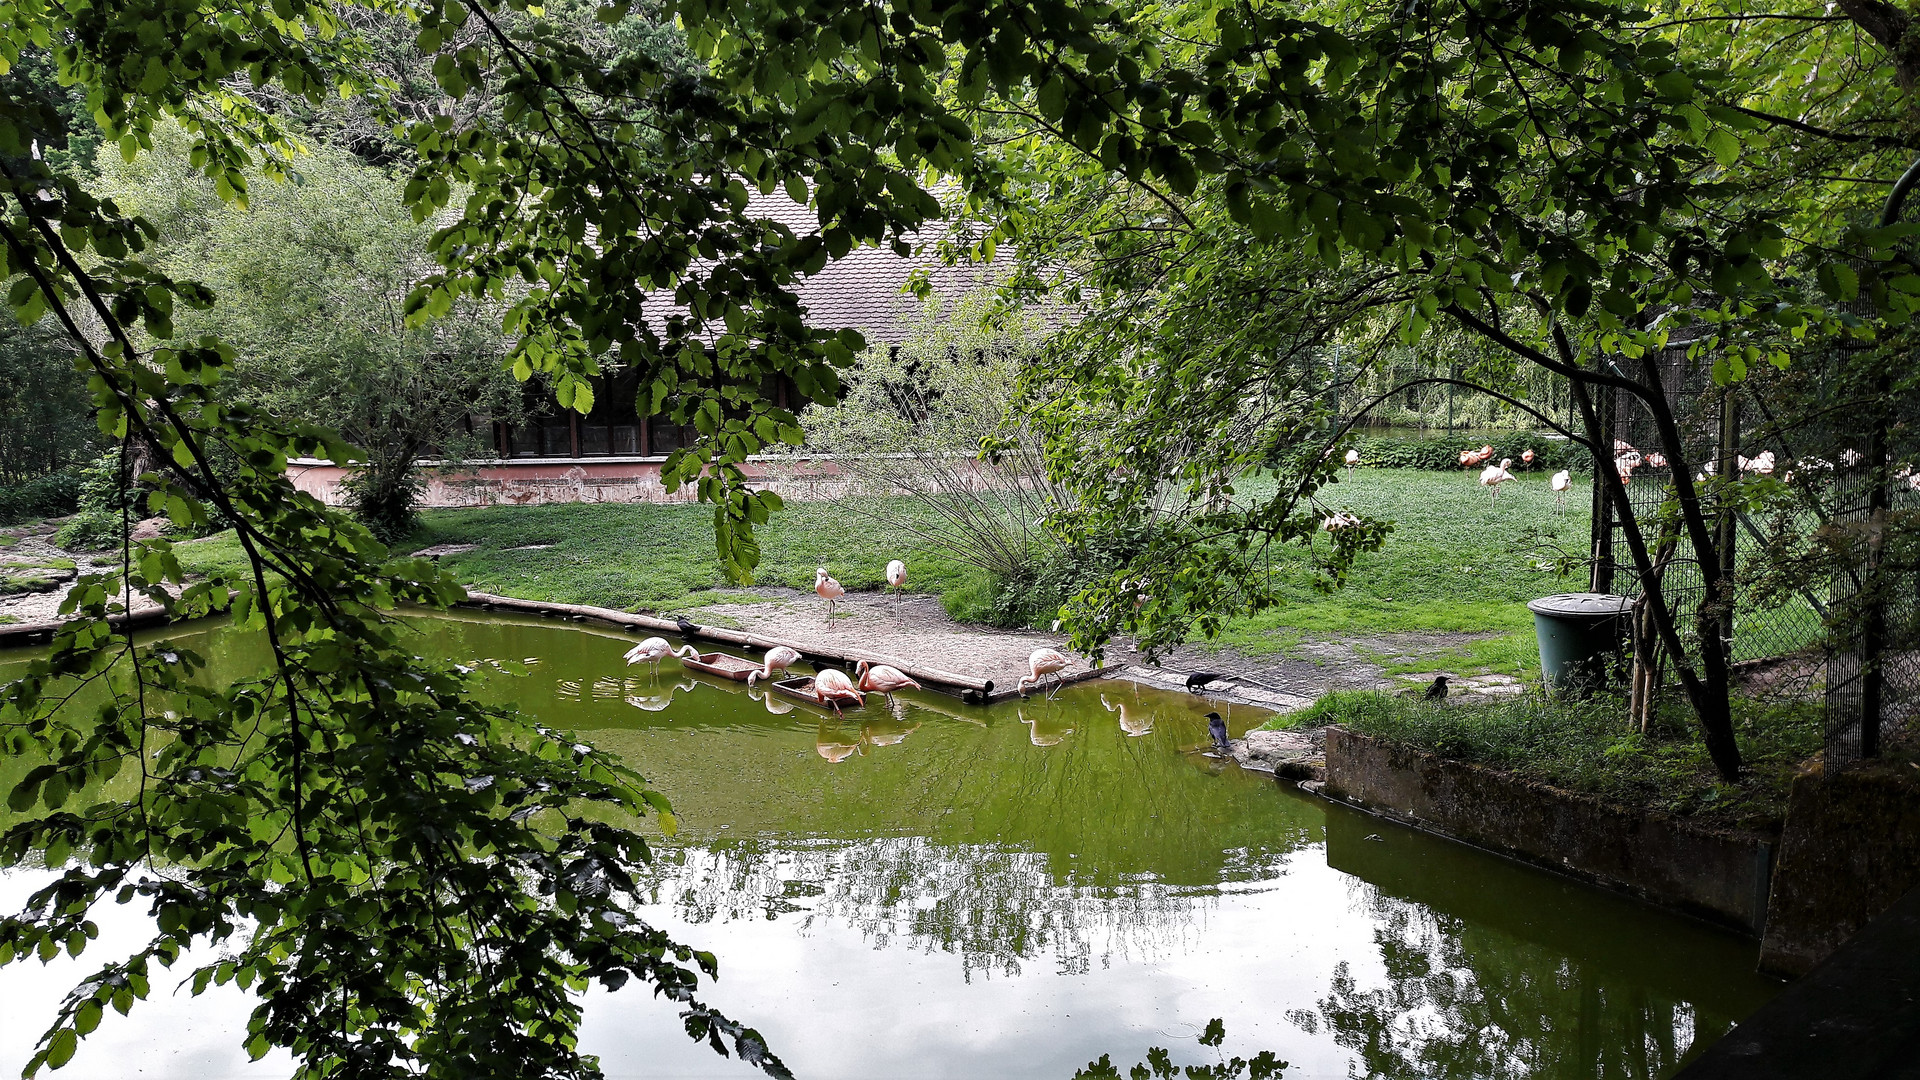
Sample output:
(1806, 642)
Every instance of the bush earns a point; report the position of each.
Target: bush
(103, 504)
(1443, 451)
(52, 495)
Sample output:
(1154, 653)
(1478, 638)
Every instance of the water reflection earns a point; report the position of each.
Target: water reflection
(1015, 891)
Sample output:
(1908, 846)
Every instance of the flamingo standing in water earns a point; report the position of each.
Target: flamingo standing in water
(1493, 476)
(655, 649)
(1561, 481)
(779, 658)
(1040, 664)
(882, 679)
(829, 590)
(831, 687)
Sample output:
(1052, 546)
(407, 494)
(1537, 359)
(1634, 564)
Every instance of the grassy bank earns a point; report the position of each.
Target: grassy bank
(1453, 563)
(1588, 747)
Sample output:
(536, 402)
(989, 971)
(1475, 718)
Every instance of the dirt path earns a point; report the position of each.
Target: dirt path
(916, 627)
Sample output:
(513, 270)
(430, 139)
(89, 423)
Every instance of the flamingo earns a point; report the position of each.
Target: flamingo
(1470, 458)
(1656, 461)
(1353, 458)
(1561, 481)
(897, 583)
(1526, 456)
(830, 590)
(1040, 664)
(655, 649)
(882, 679)
(1624, 465)
(831, 687)
(1762, 465)
(779, 658)
(1493, 476)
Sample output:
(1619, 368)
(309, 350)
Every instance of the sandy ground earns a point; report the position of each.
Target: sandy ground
(916, 627)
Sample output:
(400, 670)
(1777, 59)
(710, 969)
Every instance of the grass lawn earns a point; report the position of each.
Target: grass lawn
(1588, 747)
(1453, 563)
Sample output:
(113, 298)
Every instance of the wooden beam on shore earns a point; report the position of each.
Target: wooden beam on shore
(971, 689)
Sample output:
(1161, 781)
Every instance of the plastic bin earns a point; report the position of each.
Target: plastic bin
(1580, 635)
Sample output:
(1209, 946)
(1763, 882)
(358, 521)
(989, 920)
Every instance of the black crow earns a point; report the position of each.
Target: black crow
(685, 624)
(1217, 728)
(1438, 691)
(1201, 678)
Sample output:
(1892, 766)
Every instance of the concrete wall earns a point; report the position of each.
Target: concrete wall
(1722, 877)
(1850, 850)
(534, 481)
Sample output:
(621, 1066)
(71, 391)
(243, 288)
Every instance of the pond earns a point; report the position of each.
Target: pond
(932, 889)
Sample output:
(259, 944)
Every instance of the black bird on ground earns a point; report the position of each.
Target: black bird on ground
(1438, 691)
(1201, 678)
(1217, 728)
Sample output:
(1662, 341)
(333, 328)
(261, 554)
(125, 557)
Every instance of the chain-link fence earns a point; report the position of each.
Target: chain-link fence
(1862, 616)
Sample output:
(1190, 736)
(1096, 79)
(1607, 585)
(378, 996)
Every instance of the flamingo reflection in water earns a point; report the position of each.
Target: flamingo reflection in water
(892, 730)
(1046, 727)
(837, 740)
(776, 705)
(1133, 720)
(658, 699)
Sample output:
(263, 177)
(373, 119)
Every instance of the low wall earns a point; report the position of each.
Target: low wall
(1721, 877)
(1851, 848)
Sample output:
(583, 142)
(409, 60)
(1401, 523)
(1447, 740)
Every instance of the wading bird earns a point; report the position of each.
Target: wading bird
(1526, 456)
(1561, 481)
(779, 658)
(831, 687)
(1493, 476)
(829, 590)
(896, 583)
(1353, 458)
(882, 679)
(1040, 664)
(655, 649)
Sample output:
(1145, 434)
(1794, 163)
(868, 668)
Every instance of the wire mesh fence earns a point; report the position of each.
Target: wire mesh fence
(1862, 618)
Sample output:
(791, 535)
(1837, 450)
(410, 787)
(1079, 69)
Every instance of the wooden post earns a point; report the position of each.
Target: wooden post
(1601, 578)
(1724, 526)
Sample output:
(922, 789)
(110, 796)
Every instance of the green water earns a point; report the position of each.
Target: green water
(932, 889)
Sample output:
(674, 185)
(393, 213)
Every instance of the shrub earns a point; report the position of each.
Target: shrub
(52, 495)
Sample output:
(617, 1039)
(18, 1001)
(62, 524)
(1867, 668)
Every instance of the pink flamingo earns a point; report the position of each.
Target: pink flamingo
(779, 658)
(1561, 481)
(896, 583)
(829, 590)
(655, 649)
(831, 687)
(882, 679)
(1526, 456)
(1493, 476)
(1040, 664)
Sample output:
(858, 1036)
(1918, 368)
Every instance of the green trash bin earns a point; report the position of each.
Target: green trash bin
(1580, 636)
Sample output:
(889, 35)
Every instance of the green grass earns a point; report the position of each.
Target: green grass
(1450, 565)
(1588, 747)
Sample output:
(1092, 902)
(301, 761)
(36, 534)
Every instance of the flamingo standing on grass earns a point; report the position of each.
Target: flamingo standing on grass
(1561, 481)
(1526, 456)
(779, 658)
(1040, 664)
(1493, 476)
(1353, 458)
(883, 679)
(829, 590)
(655, 649)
